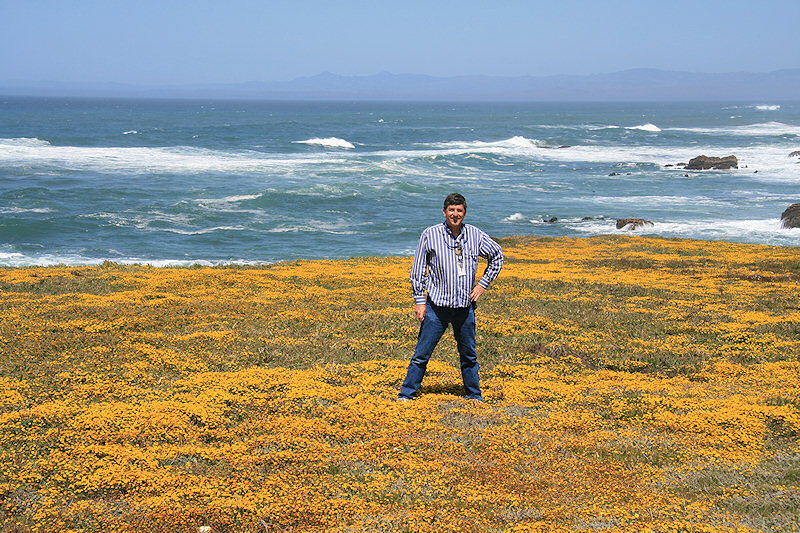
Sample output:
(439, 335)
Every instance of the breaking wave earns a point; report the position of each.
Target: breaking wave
(516, 142)
(328, 142)
(646, 127)
(27, 152)
(758, 129)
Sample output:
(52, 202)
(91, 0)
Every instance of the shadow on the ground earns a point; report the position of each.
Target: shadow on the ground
(454, 390)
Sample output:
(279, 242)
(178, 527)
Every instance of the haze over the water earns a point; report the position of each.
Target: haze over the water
(155, 43)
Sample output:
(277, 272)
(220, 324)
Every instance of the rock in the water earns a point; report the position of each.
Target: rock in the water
(632, 223)
(550, 220)
(703, 162)
(791, 217)
(796, 153)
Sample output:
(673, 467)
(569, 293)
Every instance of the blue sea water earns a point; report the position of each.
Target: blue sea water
(179, 182)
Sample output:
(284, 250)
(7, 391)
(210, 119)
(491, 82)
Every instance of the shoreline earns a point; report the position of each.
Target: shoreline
(252, 264)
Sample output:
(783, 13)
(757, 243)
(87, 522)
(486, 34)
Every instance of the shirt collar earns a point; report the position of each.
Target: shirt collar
(462, 235)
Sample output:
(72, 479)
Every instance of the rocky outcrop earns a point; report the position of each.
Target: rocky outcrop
(791, 217)
(796, 153)
(632, 223)
(703, 162)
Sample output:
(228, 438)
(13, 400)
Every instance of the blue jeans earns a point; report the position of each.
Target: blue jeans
(430, 331)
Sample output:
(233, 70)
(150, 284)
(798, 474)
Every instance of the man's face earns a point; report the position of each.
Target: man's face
(454, 214)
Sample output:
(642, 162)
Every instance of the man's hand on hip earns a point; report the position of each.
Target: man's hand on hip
(476, 293)
(419, 311)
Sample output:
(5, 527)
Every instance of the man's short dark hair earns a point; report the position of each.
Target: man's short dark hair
(455, 199)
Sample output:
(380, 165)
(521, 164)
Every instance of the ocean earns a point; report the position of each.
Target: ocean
(163, 182)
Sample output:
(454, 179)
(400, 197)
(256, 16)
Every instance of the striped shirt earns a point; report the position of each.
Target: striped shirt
(436, 264)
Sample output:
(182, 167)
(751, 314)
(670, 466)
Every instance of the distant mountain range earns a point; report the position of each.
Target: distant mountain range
(628, 85)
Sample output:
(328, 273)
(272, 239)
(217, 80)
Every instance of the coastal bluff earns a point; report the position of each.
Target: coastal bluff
(627, 380)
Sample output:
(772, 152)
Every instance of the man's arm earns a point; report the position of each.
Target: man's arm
(419, 276)
(494, 255)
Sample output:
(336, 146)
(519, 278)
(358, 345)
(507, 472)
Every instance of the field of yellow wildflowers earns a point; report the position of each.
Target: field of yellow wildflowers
(632, 384)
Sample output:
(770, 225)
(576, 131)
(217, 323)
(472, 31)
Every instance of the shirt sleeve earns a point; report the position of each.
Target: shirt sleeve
(494, 254)
(419, 270)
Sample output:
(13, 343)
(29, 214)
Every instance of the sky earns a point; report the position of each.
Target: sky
(175, 42)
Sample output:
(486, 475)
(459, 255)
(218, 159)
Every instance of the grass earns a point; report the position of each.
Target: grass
(631, 383)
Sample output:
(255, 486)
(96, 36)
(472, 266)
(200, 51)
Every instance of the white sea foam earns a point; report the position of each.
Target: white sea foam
(767, 163)
(22, 141)
(768, 128)
(619, 155)
(130, 132)
(242, 197)
(162, 222)
(516, 217)
(323, 190)
(305, 228)
(151, 221)
(229, 199)
(761, 128)
(519, 148)
(9, 256)
(646, 127)
(26, 152)
(770, 160)
(202, 231)
(655, 201)
(759, 107)
(512, 147)
(17, 210)
(767, 231)
(517, 142)
(770, 157)
(16, 259)
(338, 226)
(328, 142)
(725, 228)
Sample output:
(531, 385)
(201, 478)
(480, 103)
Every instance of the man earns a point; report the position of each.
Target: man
(445, 264)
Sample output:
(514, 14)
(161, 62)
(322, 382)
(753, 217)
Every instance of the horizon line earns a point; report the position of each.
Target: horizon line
(387, 72)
